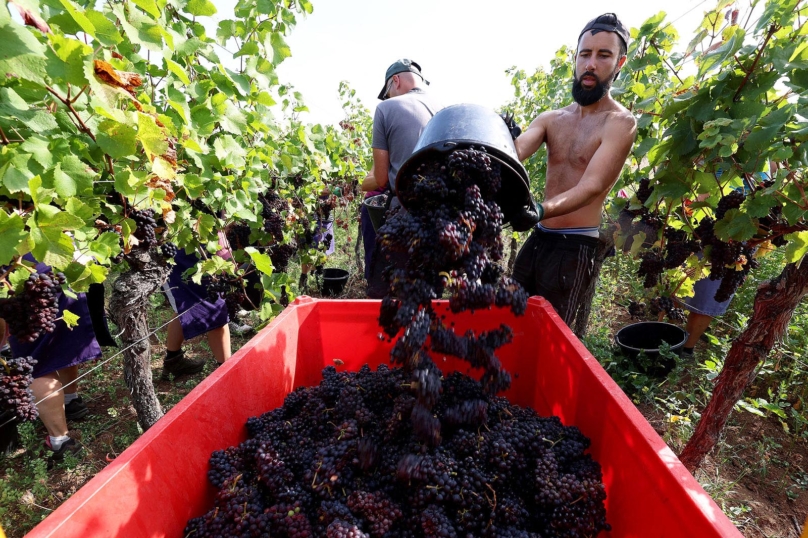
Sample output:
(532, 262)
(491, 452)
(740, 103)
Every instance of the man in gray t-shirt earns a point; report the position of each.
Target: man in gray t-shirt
(401, 116)
(405, 110)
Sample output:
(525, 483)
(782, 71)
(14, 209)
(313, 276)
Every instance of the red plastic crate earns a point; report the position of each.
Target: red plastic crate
(159, 482)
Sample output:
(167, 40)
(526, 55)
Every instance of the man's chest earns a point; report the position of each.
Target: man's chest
(574, 143)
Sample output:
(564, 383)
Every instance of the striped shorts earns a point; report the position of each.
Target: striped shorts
(558, 267)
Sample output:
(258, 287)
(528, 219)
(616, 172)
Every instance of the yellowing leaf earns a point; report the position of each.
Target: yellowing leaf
(70, 319)
(163, 169)
(200, 7)
(151, 135)
(149, 6)
(177, 69)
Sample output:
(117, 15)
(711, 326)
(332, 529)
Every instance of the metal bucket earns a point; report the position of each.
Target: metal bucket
(464, 125)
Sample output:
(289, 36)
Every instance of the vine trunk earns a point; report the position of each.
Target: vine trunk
(128, 308)
(774, 306)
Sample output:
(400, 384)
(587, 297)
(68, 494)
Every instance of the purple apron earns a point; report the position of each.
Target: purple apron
(322, 232)
(63, 347)
(185, 294)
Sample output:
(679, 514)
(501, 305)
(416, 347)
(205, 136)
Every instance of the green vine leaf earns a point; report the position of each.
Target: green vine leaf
(735, 225)
(203, 8)
(797, 246)
(12, 234)
(262, 261)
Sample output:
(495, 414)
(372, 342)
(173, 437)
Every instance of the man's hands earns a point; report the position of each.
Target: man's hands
(514, 129)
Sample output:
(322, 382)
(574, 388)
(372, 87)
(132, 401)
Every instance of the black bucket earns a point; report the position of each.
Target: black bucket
(334, 281)
(464, 125)
(376, 207)
(647, 337)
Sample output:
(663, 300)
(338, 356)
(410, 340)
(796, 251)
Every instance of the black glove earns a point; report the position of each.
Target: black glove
(514, 129)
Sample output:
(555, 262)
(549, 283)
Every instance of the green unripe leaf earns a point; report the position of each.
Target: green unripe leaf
(759, 205)
(200, 8)
(12, 234)
(177, 69)
(79, 17)
(250, 48)
(105, 30)
(280, 50)
(262, 261)
(51, 246)
(149, 6)
(797, 246)
(37, 146)
(66, 60)
(21, 54)
(151, 135)
(735, 225)
(116, 139)
(70, 319)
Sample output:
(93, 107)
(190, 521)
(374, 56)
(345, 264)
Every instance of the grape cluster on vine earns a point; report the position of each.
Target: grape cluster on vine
(15, 392)
(667, 306)
(145, 221)
(342, 459)
(169, 250)
(733, 200)
(644, 190)
(33, 311)
(273, 207)
(651, 267)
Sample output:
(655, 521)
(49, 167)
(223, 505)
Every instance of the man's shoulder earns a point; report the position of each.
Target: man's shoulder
(621, 113)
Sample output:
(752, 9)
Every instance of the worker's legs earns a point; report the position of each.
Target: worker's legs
(68, 375)
(174, 338)
(51, 410)
(696, 325)
(219, 342)
(176, 363)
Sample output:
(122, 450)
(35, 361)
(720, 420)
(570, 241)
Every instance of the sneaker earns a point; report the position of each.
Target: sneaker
(685, 354)
(70, 446)
(237, 329)
(180, 366)
(76, 410)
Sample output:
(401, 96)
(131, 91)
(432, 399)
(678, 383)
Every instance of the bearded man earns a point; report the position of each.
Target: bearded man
(587, 145)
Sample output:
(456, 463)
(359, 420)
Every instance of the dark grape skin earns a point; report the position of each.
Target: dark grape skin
(33, 311)
(282, 478)
(398, 453)
(145, 221)
(15, 392)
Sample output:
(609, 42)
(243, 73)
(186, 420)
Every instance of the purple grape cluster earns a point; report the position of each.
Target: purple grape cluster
(733, 200)
(32, 312)
(651, 267)
(667, 306)
(15, 394)
(169, 250)
(342, 459)
(272, 212)
(452, 238)
(145, 234)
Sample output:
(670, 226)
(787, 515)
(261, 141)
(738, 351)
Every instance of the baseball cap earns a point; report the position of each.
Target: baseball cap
(608, 22)
(401, 66)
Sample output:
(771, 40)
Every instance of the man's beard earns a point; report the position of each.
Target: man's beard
(586, 97)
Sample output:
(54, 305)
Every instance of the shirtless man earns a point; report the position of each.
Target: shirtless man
(587, 145)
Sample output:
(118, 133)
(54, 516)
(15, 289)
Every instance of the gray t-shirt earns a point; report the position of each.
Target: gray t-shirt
(398, 124)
